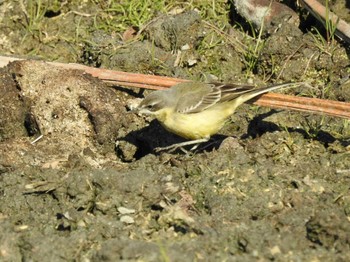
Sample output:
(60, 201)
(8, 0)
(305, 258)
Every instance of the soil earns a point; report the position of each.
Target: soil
(80, 179)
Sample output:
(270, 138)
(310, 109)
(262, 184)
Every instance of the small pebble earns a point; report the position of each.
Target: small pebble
(127, 220)
(125, 211)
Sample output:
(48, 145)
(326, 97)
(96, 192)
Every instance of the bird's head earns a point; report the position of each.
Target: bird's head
(154, 102)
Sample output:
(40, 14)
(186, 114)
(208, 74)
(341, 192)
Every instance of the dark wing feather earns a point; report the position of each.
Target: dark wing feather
(232, 91)
(197, 97)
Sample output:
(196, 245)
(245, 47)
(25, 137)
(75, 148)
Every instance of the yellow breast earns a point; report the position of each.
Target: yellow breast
(197, 125)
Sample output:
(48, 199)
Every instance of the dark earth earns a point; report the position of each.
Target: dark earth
(80, 179)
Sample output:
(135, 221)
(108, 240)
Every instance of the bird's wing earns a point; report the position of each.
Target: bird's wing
(199, 96)
(196, 97)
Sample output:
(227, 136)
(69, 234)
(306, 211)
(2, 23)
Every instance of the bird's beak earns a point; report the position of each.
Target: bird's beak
(140, 111)
(133, 111)
(133, 105)
(144, 111)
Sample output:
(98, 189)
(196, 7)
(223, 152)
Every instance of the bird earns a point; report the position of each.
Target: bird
(198, 110)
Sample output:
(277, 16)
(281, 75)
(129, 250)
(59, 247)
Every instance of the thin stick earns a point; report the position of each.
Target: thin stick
(305, 104)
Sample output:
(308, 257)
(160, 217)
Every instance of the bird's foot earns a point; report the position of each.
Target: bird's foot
(181, 146)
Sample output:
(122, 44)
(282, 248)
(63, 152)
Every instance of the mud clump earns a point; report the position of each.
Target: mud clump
(173, 32)
(71, 112)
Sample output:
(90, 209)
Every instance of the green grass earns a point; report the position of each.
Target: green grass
(34, 12)
(119, 15)
(115, 17)
(330, 26)
(254, 48)
(328, 43)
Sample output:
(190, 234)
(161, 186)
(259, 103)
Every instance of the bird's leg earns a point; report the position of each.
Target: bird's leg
(173, 147)
(213, 142)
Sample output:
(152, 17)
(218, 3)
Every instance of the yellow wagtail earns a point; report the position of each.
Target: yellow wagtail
(195, 110)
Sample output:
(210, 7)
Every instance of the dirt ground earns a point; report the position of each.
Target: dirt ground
(80, 179)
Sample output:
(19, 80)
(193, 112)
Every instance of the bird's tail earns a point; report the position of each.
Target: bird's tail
(250, 94)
